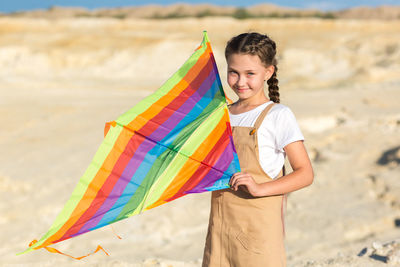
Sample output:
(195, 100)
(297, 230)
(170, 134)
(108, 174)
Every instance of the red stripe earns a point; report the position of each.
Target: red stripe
(228, 127)
(204, 167)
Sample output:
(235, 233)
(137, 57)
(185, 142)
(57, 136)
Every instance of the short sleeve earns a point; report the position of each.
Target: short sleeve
(287, 128)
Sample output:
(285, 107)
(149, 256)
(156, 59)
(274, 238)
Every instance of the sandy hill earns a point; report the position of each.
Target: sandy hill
(203, 10)
(381, 12)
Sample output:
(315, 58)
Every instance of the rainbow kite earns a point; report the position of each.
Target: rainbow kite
(174, 142)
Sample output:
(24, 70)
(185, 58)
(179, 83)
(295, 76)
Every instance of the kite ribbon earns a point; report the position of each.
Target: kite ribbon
(53, 250)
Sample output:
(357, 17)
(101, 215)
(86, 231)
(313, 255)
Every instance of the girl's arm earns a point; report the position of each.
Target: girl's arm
(301, 176)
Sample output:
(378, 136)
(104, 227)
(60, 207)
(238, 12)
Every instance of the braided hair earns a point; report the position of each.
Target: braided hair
(254, 43)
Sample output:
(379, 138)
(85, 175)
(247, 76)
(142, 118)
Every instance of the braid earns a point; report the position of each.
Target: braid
(273, 87)
(254, 43)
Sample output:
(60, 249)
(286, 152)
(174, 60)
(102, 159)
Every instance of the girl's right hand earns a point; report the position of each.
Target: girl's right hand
(246, 180)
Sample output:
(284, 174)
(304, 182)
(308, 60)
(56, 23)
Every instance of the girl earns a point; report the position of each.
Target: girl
(246, 221)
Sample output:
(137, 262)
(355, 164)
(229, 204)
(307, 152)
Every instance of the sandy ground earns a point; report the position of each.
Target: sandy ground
(61, 80)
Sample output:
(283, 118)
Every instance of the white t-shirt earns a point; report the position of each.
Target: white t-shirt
(278, 129)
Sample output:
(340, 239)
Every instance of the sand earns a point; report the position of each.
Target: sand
(61, 80)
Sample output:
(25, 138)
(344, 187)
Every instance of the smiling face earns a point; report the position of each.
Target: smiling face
(246, 76)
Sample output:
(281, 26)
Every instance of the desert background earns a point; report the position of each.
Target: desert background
(64, 72)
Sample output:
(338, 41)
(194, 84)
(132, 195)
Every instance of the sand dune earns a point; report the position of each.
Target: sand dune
(313, 53)
(61, 80)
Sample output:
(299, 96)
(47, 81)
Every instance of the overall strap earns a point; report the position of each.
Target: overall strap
(261, 117)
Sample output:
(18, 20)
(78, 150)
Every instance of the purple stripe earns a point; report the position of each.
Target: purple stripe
(213, 175)
(142, 150)
(233, 147)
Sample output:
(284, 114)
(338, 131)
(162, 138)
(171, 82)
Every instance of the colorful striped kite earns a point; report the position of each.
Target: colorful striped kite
(174, 142)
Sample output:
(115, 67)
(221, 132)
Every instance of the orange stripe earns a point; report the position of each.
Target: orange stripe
(190, 166)
(113, 156)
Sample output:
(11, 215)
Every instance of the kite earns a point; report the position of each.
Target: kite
(174, 142)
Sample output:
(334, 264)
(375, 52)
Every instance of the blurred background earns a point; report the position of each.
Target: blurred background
(67, 67)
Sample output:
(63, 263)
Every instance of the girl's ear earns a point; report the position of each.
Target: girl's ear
(269, 71)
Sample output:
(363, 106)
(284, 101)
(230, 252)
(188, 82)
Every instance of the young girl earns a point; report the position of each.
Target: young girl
(246, 221)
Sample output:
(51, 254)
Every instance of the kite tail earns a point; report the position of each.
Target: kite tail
(53, 250)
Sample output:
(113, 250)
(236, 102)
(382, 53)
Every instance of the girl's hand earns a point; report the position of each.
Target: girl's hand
(245, 179)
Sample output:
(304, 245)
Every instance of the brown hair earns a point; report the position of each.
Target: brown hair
(254, 43)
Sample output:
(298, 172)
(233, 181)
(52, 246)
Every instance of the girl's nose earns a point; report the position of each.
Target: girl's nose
(241, 81)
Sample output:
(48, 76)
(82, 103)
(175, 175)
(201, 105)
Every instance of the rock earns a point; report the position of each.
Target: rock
(388, 253)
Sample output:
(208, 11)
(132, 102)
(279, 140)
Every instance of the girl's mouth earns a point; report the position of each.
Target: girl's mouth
(242, 89)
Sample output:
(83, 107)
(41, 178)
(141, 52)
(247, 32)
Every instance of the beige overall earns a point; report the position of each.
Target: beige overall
(245, 231)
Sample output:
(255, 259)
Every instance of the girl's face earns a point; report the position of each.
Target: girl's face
(246, 76)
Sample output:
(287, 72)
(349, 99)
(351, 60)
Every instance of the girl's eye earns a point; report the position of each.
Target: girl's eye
(232, 72)
(250, 74)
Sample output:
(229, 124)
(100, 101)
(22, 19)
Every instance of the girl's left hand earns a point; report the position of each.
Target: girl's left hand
(245, 179)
